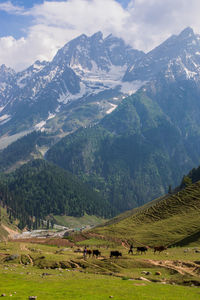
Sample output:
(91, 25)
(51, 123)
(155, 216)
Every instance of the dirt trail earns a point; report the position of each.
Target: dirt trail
(11, 232)
(75, 263)
(31, 261)
(181, 267)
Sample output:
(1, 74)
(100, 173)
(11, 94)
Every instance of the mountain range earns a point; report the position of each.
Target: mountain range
(80, 83)
(125, 122)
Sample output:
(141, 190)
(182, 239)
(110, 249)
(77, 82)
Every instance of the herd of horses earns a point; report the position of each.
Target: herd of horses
(155, 249)
(139, 250)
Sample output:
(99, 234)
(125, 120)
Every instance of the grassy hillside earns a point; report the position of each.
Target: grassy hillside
(170, 220)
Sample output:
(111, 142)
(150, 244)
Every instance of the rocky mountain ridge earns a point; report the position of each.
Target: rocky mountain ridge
(130, 150)
(86, 68)
(87, 79)
(178, 57)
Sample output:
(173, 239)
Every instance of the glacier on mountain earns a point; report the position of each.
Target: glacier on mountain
(91, 70)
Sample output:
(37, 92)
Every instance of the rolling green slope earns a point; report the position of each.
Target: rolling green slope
(174, 220)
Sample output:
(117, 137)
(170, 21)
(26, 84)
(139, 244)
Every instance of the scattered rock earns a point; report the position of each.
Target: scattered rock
(11, 257)
(111, 296)
(3, 295)
(146, 272)
(45, 274)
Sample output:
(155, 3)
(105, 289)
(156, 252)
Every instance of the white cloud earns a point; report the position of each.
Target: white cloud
(10, 8)
(155, 20)
(143, 24)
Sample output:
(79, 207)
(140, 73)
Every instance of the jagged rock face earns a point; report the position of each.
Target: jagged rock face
(90, 71)
(85, 52)
(7, 76)
(152, 138)
(149, 141)
(178, 57)
(84, 67)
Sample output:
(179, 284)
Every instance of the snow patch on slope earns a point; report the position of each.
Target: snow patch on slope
(131, 87)
(40, 125)
(113, 106)
(4, 119)
(96, 80)
(1, 108)
(66, 97)
(22, 78)
(51, 116)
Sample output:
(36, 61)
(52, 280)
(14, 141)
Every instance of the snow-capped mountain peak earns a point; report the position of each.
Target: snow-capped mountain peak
(87, 67)
(91, 71)
(178, 54)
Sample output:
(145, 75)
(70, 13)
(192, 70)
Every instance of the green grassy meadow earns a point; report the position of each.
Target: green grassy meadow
(75, 285)
(73, 222)
(54, 268)
(52, 272)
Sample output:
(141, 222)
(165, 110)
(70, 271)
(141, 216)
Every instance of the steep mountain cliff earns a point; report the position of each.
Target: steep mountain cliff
(79, 86)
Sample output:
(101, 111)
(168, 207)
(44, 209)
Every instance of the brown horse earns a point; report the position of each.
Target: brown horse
(159, 248)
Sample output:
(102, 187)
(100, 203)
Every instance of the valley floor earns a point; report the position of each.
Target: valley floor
(61, 272)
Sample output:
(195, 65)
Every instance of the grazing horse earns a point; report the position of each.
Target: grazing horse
(142, 249)
(115, 254)
(159, 248)
(96, 253)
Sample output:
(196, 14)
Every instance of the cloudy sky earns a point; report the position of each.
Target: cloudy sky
(36, 29)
